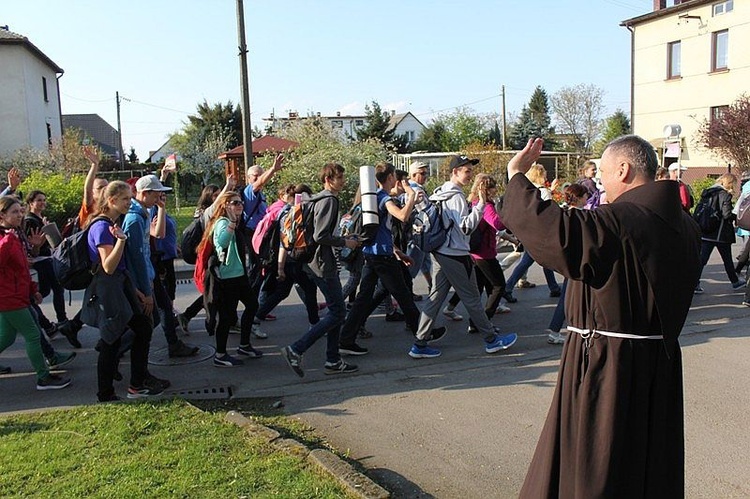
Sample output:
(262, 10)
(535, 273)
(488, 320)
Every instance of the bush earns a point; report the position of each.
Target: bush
(64, 193)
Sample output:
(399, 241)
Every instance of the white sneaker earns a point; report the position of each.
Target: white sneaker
(555, 338)
(502, 309)
(255, 331)
(452, 315)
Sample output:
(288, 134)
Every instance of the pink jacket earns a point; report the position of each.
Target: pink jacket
(490, 224)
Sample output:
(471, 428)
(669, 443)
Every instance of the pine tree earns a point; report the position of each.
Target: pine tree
(534, 121)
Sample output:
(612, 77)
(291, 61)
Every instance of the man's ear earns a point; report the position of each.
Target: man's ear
(625, 170)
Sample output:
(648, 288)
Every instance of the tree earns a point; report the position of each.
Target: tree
(615, 125)
(200, 152)
(132, 156)
(728, 134)
(225, 117)
(578, 113)
(534, 121)
(453, 131)
(378, 127)
(64, 155)
(432, 138)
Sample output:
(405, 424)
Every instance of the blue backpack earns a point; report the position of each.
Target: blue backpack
(429, 230)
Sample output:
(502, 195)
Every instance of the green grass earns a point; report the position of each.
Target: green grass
(163, 449)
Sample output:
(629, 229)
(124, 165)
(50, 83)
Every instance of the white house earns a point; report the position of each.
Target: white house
(29, 95)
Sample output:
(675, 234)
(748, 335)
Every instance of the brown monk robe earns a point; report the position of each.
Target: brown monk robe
(615, 427)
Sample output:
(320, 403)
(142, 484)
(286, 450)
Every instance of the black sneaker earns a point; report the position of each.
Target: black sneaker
(294, 360)
(226, 360)
(109, 398)
(60, 359)
(352, 349)
(555, 293)
(181, 349)
(152, 381)
(70, 331)
(5, 370)
(143, 392)
(184, 322)
(52, 382)
(510, 298)
(437, 334)
(249, 351)
(340, 367)
(395, 317)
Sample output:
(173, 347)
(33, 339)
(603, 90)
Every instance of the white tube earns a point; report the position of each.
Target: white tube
(369, 187)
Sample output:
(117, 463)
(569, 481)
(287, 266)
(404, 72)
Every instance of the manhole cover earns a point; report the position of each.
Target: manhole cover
(161, 356)
(211, 393)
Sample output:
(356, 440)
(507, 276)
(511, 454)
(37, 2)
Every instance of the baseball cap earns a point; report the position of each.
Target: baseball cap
(677, 166)
(416, 166)
(150, 183)
(457, 161)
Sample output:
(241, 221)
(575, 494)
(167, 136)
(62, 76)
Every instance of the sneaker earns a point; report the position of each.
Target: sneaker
(698, 290)
(523, 284)
(183, 321)
(472, 330)
(339, 367)
(70, 331)
(52, 382)
(110, 398)
(555, 337)
(746, 303)
(322, 306)
(417, 297)
(5, 370)
(60, 359)
(437, 334)
(269, 317)
(395, 316)
(452, 315)
(739, 284)
(226, 360)
(418, 352)
(555, 293)
(143, 392)
(257, 333)
(352, 349)
(152, 381)
(249, 351)
(364, 333)
(294, 360)
(500, 343)
(181, 349)
(502, 309)
(509, 297)
(52, 330)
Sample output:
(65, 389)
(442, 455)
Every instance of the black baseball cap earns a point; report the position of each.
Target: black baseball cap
(457, 161)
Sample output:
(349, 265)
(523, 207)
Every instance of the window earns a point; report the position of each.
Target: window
(359, 122)
(673, 60)
(44, 89)
(714, 116)
(49, 134)
(719, 50)
(337, 124)
(723, 7)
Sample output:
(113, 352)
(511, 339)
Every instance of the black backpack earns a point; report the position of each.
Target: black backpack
(71, 262)
(706, 214)
(191, 238)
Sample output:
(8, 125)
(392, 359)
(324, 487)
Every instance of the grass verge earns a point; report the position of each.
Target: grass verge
(160, 449)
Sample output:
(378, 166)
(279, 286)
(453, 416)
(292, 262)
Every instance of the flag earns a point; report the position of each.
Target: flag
(171, 162)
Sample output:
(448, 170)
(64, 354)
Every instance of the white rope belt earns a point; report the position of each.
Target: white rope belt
(587, 333)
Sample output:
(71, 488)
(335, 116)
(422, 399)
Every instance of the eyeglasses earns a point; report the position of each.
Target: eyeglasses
(235, 202)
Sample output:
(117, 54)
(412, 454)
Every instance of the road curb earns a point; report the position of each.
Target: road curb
(355, 482)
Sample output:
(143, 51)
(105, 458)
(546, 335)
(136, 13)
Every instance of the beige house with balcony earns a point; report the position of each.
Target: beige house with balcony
(689, 60)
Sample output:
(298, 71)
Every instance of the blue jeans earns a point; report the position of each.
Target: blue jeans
(522, 267)
(558, 317)
(295, 274)
(329, 324)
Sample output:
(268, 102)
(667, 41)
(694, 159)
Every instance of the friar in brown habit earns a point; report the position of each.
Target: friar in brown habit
(615, 428)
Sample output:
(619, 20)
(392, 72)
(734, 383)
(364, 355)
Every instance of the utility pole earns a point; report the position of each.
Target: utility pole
(119, 133)
(502, 94)
(247, 137)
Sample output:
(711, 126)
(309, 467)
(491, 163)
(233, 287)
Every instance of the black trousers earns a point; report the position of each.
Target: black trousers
(231, 292)
(109, 355)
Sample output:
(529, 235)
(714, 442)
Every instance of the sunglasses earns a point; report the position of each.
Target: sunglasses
(235, 202)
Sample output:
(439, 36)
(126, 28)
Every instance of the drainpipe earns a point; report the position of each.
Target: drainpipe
(632, 78)
(59, 102)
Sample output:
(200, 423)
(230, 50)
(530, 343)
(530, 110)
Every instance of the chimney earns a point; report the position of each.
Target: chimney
(393, 112)
(318, 114)
(660, 4)
(338, 113)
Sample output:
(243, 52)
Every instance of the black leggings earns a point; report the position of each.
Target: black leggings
(231, 292)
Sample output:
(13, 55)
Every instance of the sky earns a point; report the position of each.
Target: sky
(428, 57)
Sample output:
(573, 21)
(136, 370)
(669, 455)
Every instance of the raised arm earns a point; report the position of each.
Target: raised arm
(88, 187)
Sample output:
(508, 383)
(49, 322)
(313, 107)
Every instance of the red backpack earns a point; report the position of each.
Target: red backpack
(204, 251)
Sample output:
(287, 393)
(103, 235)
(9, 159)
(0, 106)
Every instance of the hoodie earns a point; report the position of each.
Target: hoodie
(16, 287)
(462, 218)
(137, 248)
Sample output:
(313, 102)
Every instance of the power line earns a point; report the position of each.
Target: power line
(460, 105)
(156, 106)
(85, 100)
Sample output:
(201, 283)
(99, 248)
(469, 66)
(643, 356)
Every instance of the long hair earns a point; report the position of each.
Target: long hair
(7, 201)
(574, 193)
(207, 196)
(221, 211)
(728, 182)
(481, 181)
(537, 174)
(113, 189)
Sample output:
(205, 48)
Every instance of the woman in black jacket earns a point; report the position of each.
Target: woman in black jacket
(719, 198)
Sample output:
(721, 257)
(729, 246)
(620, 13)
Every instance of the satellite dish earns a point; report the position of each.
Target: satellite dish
(672, 131)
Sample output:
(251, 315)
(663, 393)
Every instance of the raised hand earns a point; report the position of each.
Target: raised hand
(117, 232)
(14, 178)
(522, 161)
(36, 237)
(91, 154)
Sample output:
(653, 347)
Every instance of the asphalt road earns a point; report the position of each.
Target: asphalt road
(462, 425)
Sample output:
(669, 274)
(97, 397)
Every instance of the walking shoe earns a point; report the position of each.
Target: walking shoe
(352, 349)
(509, 297)
(364, 333)
(555, 293)
(257, 333)
(524, 284)
(437, 334)
(418, 352)
(52, 382)
(269, 317)
(184, 322)
(555, 337)
(236, 329)
(51, 330)
(739, 284)
(152, 381)
(452, 315)
(322, 306)
(500, 343)
(395, 316)
(472, 330)
(70, 331)
(502, 309)
(416, 297)
(143, 392)
(249, 351)
(294, 360)
(60, 359)
(5, 370)
(226, 360)
(698, 290)
(181, 349)
(339, 367)
(109, 398)
(747, 304)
